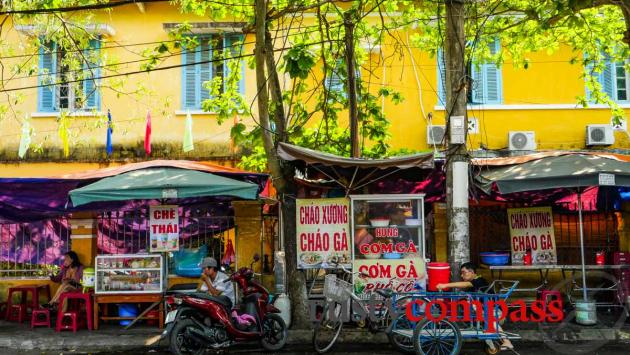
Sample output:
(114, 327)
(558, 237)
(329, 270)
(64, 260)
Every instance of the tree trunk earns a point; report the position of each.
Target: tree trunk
(295, 279)
(276, 91)
(352, 86)
(457, 156)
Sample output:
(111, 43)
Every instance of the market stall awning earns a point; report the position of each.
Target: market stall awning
(557, 171)
(292, 152)
(158, 183)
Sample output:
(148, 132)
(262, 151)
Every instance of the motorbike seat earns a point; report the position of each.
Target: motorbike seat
(222, 300)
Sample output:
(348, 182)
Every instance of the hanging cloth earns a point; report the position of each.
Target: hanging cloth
(147, 135)
(229, 256)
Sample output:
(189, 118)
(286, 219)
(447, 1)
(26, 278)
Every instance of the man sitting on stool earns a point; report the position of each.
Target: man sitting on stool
(213, 281)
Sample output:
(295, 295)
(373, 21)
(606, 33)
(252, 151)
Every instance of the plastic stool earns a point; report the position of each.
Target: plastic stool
(73, 322)
(17, 312)
(35, 317)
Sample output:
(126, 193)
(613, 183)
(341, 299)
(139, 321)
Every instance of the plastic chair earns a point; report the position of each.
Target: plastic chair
(17, 312)
(35, 317)
(74, 325)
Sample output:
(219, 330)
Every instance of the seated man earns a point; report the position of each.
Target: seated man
(471, 282)
(213, 280)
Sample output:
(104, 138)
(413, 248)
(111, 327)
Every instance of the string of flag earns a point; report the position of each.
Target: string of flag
(63, 132)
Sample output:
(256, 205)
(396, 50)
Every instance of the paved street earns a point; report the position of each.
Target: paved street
(619, 347)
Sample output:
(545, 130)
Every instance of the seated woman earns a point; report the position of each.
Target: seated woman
(69, 276)
(471, 282)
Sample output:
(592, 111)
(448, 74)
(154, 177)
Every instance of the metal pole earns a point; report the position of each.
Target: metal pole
(582, 245)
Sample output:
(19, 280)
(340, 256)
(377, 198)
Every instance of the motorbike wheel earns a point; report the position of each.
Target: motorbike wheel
(327, 331)
(180, 344)
(275, 333)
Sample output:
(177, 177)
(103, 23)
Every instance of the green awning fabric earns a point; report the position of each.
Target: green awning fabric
(158, 183)
(565, 171)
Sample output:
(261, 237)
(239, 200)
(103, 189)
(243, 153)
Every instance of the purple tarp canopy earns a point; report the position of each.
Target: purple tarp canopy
(32, 199)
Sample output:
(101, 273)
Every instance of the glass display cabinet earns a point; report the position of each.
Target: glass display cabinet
(132, 273)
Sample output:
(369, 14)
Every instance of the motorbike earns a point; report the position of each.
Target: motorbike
(198, 321)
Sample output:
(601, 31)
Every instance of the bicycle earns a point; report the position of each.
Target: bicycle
(339, 292)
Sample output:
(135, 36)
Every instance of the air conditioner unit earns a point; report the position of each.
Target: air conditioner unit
(599, 134)
(435, 134)
(522, 140)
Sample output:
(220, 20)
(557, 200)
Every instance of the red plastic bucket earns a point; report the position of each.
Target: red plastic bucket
(438, 273)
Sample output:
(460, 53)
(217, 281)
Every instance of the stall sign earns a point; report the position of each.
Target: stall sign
(323, 232)
(398, 275)
(532, 229)
(164, 228)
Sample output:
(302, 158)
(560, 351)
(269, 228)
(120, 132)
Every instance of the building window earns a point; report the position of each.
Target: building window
(334, 81)
(73, 89)
(487, 86)
(200, 68)
(614, 79)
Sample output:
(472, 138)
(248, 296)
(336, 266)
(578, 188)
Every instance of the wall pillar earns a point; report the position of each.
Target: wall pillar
(440, 232)
(248, 239)
(83, 234)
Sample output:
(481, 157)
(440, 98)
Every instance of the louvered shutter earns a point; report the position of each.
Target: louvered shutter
(441, 78)
(492, 78)
(607, 78)
(204, 54)
(233, 45)
(478, 85)
(90, 87)
(47, 70)
(587, 70)
(333, 80)
(190, 88)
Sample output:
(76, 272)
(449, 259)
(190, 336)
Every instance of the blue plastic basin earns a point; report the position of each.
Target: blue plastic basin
(392, 255)
(494, 258)
(127, 310)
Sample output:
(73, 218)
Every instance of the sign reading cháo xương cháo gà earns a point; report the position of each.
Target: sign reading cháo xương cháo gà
(323, 233)
(164, 228)
(532, 229)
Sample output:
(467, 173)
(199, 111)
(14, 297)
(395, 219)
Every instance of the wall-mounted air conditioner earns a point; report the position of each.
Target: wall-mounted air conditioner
(435, 134)
(522, 140)
(599, 134)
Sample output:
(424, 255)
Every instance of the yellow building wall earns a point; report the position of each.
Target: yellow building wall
(531, 99)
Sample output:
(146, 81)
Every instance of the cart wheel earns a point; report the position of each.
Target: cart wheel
(397, 334)
(437, 337)
(328, 328)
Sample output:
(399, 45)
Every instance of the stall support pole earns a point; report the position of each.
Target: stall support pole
(582, 245)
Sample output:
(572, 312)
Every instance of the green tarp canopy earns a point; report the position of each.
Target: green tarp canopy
(159, 183)
(564, 171)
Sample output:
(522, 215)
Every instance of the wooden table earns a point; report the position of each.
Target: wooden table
(154, 298)
(34, 290)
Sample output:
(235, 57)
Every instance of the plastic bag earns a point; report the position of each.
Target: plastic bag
(187, 262)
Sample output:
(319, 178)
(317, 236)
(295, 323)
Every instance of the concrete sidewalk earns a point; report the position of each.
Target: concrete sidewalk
(21, 337)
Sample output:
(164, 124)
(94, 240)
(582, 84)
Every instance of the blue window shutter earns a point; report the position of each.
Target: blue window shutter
(587, 70)
(234, 49)
(478, 85)
(333, 81)
(204, 70)
(48, 65)
(492, 75)
(607, 78)
(189, 79)
(441, 78)
(90, 87)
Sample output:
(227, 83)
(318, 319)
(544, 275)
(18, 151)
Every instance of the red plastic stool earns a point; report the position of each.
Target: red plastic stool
(35, 317)
(17, 312)
(73, 322)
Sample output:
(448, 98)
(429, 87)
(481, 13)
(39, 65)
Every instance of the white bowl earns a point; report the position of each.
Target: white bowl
(379, 222)
(372, 256)
(412, 222)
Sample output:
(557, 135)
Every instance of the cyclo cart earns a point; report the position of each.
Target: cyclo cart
(455, 318)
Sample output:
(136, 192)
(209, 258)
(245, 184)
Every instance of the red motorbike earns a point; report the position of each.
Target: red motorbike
(198, 321)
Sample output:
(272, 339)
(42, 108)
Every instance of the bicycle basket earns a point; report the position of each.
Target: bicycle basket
(336, 289)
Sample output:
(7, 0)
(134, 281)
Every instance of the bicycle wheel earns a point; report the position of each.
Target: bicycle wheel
(400, 334)
(441, 337)
(328, 328)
